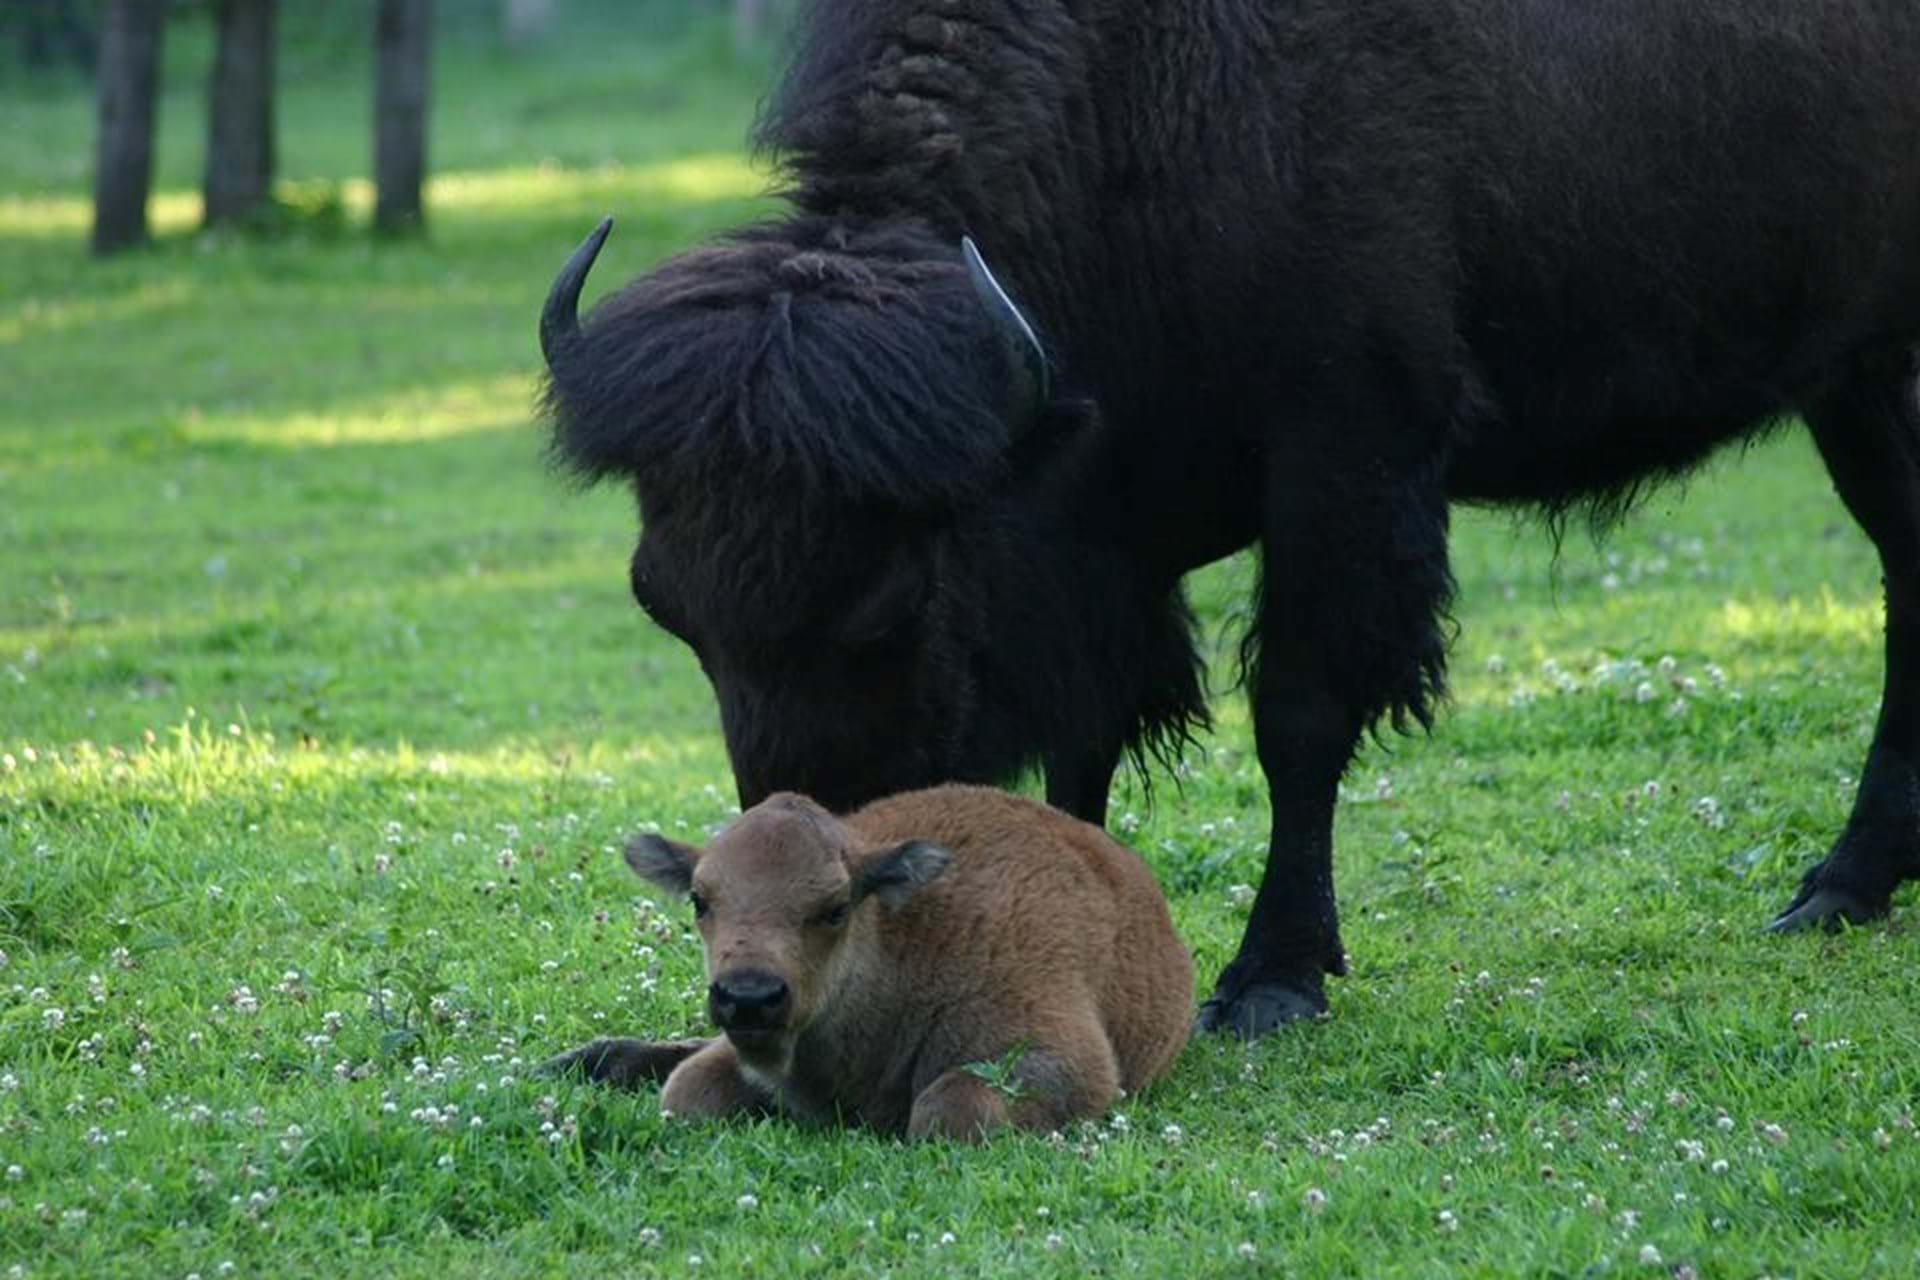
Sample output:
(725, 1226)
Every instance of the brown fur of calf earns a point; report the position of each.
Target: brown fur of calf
(924, 935)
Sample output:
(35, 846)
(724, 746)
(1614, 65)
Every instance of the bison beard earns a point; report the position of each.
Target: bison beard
(1305, 273)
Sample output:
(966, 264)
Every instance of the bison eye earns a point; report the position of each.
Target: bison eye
(835, 916)
(699, 906)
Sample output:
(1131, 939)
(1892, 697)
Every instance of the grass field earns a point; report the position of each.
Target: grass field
(323, 707)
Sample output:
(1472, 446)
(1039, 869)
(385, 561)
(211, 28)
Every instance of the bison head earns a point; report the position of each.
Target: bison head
(817, 419)
(777, 897)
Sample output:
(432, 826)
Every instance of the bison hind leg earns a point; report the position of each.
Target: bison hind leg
(1039, 1089)
(958, 1106)
(1869, 437)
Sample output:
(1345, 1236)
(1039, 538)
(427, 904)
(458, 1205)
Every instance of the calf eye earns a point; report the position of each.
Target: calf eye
(699, 906)
(835, 916)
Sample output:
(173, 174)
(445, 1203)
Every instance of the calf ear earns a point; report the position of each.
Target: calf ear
(667, 863)
(896, 874)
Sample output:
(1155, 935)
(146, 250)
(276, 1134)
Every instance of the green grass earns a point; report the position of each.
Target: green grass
(298, 640)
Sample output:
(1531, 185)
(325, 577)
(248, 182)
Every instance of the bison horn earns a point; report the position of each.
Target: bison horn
(560, 319)
(1026, 359)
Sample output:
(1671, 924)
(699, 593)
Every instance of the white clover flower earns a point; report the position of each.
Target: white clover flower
(1315, 1199)
(54, 1018)
(1649, 1256)
(748, 1201)
(1445, 1221)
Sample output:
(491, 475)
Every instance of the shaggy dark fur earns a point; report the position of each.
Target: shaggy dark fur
(1306, 272)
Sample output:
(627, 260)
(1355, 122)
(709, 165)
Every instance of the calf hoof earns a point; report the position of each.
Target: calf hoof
(623, 1064)
(1260, 1007)
(1825, 909)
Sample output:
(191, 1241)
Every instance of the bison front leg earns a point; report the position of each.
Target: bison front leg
(621, 1063)
(1869, 436)
(711, 1084)
(959, 1106)
(1354, 587)
(1045, 1088)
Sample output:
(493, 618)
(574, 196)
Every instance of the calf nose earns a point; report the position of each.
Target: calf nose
(747, 1001)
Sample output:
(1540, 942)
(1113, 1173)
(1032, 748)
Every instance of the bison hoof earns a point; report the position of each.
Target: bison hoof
(1260, 1007)
(1825, 909)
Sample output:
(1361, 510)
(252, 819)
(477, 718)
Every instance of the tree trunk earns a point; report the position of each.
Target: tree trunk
(55, 31)
(524, 21)
(749, 18)
(402, 31)
(240, 112)
(129, 78)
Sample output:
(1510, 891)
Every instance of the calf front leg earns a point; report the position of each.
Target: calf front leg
(622, 1063)
(1354, 589)
(710, 1084)
(959, 1106)
(1072, 1075)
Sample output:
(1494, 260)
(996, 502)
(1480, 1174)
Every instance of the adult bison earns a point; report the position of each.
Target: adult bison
(1302, 272)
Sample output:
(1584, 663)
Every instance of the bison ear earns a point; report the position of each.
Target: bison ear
(896, 874)
(1029, 383)
(667, 863)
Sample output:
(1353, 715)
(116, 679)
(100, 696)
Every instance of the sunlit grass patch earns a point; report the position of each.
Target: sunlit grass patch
(504, 193)
(66, 216)
(41, 317)
(421, 413)
(508, 193)
(1812, 627)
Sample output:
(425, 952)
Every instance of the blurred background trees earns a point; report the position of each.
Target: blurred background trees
(255, 44)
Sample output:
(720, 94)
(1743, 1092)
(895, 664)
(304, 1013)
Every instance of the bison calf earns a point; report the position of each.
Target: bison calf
(941, 962)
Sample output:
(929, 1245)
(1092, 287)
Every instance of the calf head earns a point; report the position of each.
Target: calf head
(784, 901)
